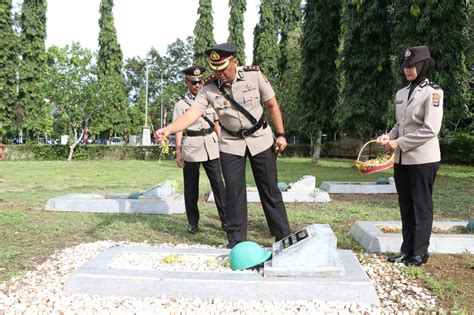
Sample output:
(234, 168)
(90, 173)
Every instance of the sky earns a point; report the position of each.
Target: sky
(140, 24)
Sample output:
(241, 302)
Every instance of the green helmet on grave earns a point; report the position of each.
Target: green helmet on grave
(248, 254)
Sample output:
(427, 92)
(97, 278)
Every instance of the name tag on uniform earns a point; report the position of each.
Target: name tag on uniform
(398, 102)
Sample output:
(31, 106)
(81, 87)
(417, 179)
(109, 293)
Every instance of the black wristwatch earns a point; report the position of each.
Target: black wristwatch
(281, 134)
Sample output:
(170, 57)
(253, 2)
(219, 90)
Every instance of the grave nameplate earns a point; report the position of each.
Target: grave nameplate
(309, 252)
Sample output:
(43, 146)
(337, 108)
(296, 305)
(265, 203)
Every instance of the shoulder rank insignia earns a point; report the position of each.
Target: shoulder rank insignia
(436, 98)
(209, 80)
(424, 83)
(251, 68)
(435, 86)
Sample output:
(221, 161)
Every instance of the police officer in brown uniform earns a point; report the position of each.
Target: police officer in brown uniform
(238, 94)
(197, 145)
(419, 113)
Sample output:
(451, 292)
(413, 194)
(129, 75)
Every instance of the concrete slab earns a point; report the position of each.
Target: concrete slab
(316, 196)
(116, 203)
(373, 239)
(358, 188)
(95, 277)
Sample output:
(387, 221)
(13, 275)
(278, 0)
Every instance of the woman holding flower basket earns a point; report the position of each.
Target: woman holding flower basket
(414, 138)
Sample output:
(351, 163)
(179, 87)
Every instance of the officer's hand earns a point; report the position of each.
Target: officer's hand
(280, 144)
(179, 159)
(392, 145)
(160, 134)
(383, 139)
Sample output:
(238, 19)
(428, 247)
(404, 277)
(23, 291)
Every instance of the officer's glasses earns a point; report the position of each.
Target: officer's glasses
(196, 82)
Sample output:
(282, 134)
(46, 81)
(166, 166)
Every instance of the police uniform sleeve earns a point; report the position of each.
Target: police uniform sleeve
(431, 124)
(201, 102)
(265, 88)
(176, 111)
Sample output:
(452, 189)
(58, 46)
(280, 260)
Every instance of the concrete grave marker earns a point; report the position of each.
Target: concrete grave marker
(369, 234)
(309, 252)
(160, 199)
(359, 187)
(302, 190)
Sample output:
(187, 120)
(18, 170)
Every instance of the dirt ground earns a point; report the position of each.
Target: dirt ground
(458, 269)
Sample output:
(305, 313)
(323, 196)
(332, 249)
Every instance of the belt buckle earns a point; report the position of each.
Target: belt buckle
(244, 133)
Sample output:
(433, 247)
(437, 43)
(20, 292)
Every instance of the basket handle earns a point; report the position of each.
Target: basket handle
(363, 147)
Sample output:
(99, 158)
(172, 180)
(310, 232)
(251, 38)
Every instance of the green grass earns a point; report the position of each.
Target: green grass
(28, 234)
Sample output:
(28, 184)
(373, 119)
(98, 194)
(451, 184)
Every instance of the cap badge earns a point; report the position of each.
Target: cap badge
(407, 53)
(214, 56)
(197, 71)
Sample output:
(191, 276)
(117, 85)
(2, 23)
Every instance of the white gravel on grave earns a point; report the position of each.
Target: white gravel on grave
(41, 290)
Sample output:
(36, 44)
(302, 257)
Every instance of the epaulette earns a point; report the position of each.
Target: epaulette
(251, 68)
(435, 86)
(209, 80)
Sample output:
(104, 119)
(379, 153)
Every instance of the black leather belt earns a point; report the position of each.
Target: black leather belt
(244, 133)
(199, 133)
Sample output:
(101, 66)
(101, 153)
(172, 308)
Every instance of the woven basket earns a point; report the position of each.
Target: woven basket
(376, 165)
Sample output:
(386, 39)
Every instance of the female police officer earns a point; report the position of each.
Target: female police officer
(419, 114)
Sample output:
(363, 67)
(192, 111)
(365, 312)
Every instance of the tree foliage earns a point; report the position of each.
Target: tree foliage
(236, 27)
(32, 112)
(319, 89)
(367, 88)
(443, 27)
(109, 68)
(203, 32)
(265, 42)
(9, 52)
(289, 25)
(77, 96)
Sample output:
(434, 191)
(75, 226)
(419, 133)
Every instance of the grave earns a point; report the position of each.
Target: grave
(109, 274)
(309, 252)
(359, 187)
(369, 235)
(302, 190)
(159, 199)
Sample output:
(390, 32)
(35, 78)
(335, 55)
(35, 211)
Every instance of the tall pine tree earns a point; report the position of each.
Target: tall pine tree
(33, 113)
(289, 27)
(265, 42)
(9, 51)
(236, 27)
(319, 88)
(443, 27)
(109, 68)
(366, 72)
(203, 32)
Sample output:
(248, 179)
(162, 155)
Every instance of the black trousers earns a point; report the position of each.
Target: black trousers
(415, 188)
(191, 188)
(265, 175)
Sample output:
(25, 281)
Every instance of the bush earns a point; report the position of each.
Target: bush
(57, 152)
(458, 148)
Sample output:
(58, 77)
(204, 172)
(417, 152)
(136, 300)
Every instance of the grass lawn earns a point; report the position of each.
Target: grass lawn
(28, 235)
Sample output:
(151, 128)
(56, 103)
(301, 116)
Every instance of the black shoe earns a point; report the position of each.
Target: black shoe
(232, 244)
(192, 229)
(224, 227)
(417, 260)
(401, 257)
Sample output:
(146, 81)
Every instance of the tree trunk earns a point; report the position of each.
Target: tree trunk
(317, 146)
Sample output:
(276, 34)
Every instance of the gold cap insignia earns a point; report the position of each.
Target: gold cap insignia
(407, 53)
(214, 56)
(197, 71)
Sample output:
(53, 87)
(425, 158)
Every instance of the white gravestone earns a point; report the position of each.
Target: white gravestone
(160, 199)
(303, 190)
(311, 252)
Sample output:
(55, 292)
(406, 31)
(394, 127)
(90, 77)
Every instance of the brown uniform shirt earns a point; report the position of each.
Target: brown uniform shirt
(418, 124)
(250, 88)
(200, 148)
